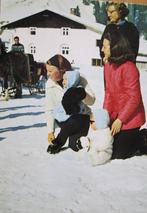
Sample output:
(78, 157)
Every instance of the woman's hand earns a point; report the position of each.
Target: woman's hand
(105, 60)
(116, 126)
(51, 137)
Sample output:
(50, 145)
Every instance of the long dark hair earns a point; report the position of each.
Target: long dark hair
(119, 47)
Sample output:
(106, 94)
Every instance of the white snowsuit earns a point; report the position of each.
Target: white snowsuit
(101, 140)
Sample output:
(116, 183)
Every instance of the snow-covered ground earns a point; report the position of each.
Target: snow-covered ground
(33, 181)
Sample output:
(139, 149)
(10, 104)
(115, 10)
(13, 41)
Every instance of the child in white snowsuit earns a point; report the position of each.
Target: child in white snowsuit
(100, 138)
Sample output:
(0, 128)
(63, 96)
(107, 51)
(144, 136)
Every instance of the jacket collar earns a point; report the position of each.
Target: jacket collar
(51, 83)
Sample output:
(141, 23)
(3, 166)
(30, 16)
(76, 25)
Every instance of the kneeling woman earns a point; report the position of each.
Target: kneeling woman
(123, 99)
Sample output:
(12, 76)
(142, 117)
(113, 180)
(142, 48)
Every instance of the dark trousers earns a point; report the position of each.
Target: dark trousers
(126, 143)
(73, 128)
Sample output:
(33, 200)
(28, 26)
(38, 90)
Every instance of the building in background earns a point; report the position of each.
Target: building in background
(69, 27)
(47, 33)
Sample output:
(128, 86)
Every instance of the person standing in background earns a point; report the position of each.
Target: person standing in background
(117, 13)
(17, 47)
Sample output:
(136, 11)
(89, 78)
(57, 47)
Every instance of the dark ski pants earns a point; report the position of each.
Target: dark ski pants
(126, 143)
(73, 128)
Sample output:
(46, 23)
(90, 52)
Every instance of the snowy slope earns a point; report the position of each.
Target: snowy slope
(33, 181)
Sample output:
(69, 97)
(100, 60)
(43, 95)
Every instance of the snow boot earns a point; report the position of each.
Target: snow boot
(55, 147)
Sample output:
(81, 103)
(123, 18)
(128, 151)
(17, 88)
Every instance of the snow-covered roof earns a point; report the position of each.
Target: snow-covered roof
(24, 8)
(14, 9)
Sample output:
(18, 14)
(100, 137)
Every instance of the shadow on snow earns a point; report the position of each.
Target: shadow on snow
(19, 107)
(9, 129)
(2, 138)
(21, 114)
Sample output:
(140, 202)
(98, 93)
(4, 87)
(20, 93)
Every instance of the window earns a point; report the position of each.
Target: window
(98, 43)
(32, 48)
(65, 50)
(73, 11)
(96, 62)
(65, 31)
(33, 31)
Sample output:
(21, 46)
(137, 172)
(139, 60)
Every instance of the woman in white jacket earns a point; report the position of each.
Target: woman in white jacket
(56, 67)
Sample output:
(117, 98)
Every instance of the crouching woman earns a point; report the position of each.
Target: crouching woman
(56, 67)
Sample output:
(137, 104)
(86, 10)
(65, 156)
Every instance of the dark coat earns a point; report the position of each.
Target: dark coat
(72, 99)
(17, 48)
(128, 30)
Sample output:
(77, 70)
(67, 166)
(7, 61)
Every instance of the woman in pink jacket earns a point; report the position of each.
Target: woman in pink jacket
(123, 99)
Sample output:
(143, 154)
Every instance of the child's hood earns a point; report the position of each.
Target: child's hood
(101, 118)
(73, 78)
